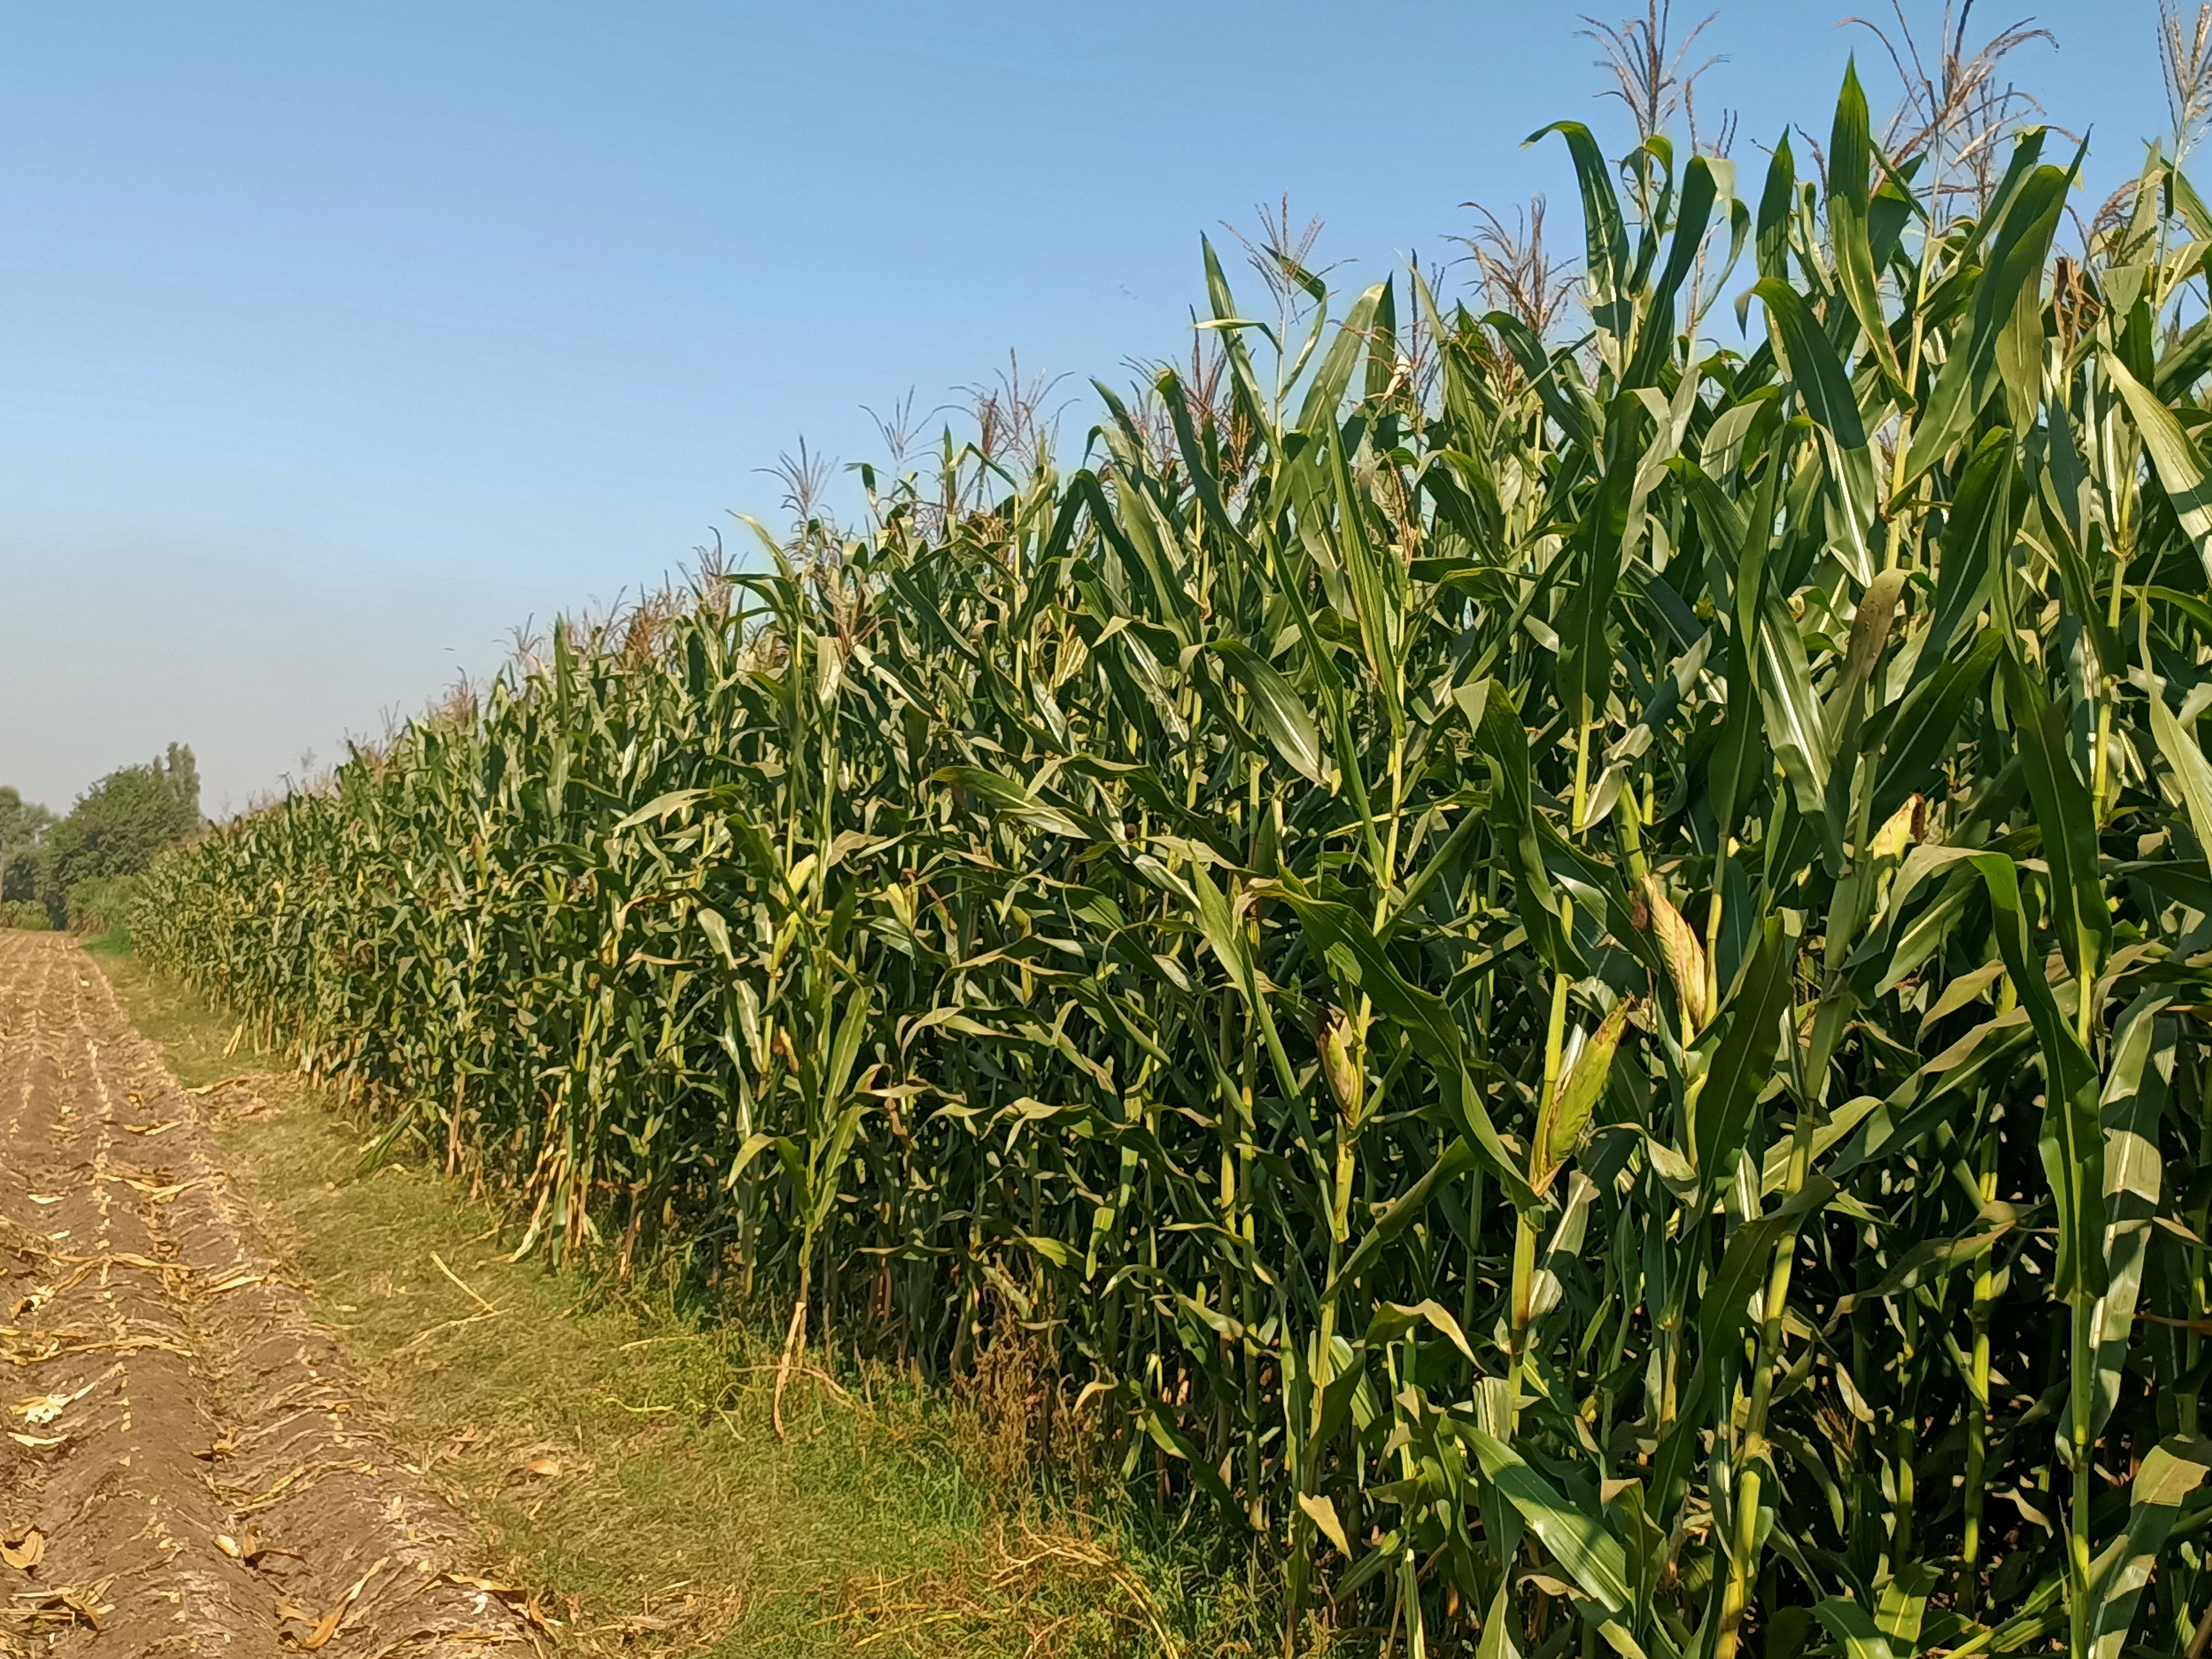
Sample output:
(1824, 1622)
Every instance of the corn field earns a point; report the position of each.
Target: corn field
(1566, 979)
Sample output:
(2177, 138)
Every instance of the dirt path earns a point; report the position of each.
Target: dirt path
(185, 1465)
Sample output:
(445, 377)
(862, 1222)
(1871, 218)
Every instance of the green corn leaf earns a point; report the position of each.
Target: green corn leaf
(1220, 927)
(1919, 738)
(1003, 796)
(1850, 163)
(1796, 728)
(1504, 743)
(1498, 1628)
(1854, 1626)
(1822, 384)
(2135, 1096)
(1776, 201)
(1608, 263)
(1586, 661)
(2179, 464)
(845, 1046)
(1749, 1026)
(2013, 272)
(2192, 773)
(1282, 715)
(1722, 1311)
(2063, 809)
(1591, 1554)
(1979, 532)
(1378, 588)
(1693, 215)
(1325, 395)
(2174, 1468)
(718, 934)
(1393, 1320)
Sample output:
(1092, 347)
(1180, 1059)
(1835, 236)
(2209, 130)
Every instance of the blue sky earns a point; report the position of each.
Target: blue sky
(337, 340)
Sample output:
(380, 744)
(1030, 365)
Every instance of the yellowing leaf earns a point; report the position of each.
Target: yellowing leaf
(1323, 1513)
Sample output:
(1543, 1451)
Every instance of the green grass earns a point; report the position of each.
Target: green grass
(677, 1517)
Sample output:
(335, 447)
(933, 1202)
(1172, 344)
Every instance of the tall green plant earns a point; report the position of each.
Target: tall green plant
(1567, 980)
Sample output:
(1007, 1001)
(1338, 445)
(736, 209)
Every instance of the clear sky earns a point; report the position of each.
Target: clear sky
(338, 339)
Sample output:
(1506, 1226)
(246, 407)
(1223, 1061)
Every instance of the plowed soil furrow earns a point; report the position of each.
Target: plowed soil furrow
(183, 1466)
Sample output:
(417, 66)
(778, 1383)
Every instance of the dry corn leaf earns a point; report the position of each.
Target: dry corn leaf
(157, 1194)
(543, 1460)
(43, 1409)
(23, 1550)
(320, 1636)
(69, 1604)
(127, 1259)
(251, 1550)
(516, 1599)
(460, 1284)
(35, 1441)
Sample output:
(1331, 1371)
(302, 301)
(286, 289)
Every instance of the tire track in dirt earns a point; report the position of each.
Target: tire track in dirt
(185, 1465)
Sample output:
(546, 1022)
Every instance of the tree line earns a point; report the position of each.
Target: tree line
(62, 872)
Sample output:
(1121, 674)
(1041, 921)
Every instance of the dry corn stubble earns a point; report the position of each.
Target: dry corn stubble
(143, 1324)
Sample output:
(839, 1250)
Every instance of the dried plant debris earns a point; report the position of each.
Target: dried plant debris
(131, 1291)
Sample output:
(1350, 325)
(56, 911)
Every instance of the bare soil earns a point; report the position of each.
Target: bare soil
(186, 1465)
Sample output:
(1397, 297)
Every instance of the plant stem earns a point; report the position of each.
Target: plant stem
(1522, 1310)
(1751, 1450)
(1978, 1400)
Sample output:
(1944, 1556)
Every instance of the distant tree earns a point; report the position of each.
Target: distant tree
(117, 827)
(23, 824)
